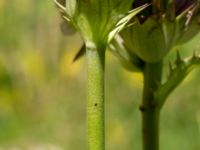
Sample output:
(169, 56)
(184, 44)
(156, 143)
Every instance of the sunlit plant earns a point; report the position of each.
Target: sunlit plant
(143, 46)
(140, 33)
(97, 22)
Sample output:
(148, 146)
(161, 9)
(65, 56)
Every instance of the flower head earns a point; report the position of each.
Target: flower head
(160, 27)
(97, 21)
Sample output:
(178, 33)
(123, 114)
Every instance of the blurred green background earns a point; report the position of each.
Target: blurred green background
(42, 93)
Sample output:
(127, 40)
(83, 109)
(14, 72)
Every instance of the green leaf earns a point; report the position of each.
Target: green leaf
(178, 73)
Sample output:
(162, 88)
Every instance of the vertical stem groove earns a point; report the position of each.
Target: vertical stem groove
(95, 97)
(150, 110)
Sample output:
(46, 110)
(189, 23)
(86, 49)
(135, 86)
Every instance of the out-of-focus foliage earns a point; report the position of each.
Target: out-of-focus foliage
(42, 93)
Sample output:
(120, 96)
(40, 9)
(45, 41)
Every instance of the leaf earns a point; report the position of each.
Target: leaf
(178, 72)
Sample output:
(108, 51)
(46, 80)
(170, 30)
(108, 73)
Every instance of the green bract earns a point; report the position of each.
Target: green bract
(98, 21)
(146, 40)
(96, 18)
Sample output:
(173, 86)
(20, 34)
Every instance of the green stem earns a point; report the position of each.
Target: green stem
(150, 110)
(95, 97)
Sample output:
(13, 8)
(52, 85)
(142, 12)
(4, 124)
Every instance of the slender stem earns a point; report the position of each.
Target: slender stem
(95, 97)
(150, 110)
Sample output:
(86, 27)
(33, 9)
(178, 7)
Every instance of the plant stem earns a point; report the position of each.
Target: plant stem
(150, 110)
(95, 97)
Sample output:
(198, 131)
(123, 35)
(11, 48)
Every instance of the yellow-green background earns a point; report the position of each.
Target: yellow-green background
(42, 93)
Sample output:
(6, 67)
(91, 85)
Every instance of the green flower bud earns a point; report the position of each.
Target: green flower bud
(152, 36)
(98, 21)
(94, 19)
(146, 40)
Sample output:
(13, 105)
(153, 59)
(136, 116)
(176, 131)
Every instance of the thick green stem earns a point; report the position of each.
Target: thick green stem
(95, 97)
(150, 110)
